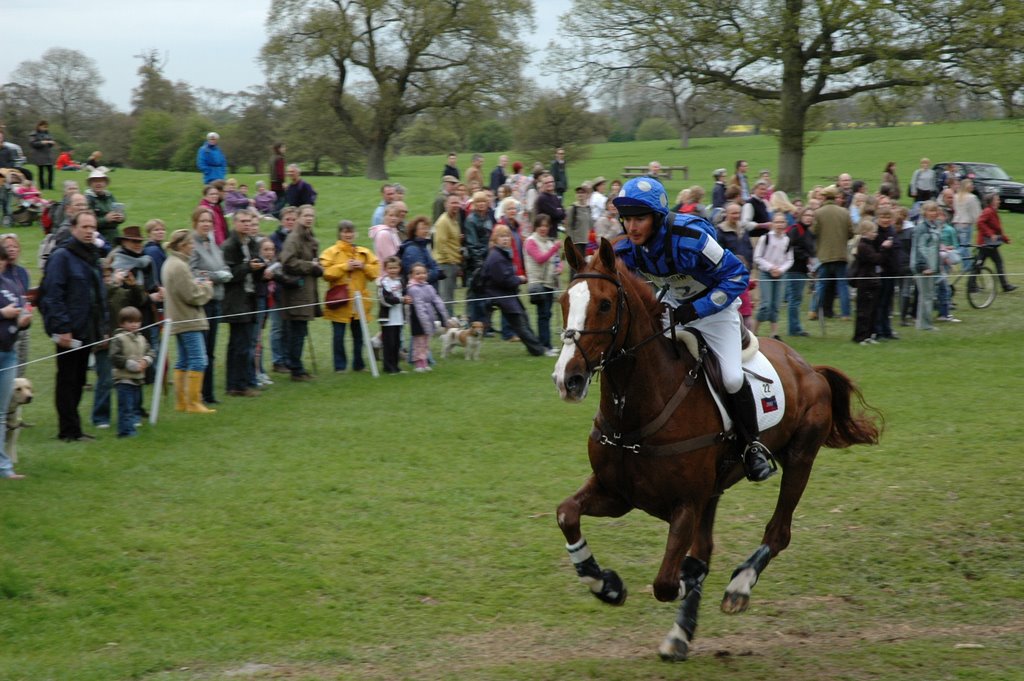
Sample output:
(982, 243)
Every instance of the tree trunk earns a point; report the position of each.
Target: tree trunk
(376, 160)
(1006, 97)
(793, 119)
(684, 137)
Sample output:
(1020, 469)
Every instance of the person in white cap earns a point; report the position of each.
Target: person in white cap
(211, 161)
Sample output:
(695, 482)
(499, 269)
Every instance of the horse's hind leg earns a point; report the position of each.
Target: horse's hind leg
(591, 499)
(676, 646)
(776, 536)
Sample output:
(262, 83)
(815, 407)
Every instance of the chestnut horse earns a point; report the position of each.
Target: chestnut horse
(658, 442)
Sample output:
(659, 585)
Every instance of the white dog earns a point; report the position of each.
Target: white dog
(21, 396)
(471, 339)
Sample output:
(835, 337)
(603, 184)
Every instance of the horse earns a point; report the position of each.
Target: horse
(658, 443)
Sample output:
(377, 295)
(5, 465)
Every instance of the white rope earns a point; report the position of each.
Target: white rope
(494, 298)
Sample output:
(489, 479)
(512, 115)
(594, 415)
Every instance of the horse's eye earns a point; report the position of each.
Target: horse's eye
(604, 306)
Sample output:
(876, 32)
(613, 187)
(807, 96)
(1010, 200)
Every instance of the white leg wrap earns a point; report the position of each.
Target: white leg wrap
(579, 552)
(743, 582)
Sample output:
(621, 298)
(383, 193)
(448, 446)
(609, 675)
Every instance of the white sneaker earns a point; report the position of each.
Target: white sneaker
(950, 318)
(264, 379)
(421, 370)
(551, 352)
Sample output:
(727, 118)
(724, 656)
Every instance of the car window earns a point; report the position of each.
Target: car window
(987, 172)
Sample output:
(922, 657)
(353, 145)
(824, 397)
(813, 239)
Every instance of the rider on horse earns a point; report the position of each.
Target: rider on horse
(702, 283)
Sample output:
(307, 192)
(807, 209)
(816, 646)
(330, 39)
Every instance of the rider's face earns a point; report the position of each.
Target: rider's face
(639, 228)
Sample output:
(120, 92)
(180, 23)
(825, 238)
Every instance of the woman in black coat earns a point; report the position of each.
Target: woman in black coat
(501, 288)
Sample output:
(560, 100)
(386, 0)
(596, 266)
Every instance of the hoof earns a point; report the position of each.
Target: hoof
(613, 591)
(735, 603)
(674, 648)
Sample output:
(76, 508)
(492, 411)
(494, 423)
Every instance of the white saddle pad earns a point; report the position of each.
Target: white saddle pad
(768, 395)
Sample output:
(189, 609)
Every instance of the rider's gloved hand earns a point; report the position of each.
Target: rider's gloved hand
(684, 314)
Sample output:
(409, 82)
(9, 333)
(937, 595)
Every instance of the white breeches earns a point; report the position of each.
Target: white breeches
(723, 332)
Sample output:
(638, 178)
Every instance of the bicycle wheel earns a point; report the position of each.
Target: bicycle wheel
(981, 288)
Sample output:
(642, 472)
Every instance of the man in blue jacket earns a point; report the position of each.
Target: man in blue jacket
(703, 282)
(74, 308)
(210, 160)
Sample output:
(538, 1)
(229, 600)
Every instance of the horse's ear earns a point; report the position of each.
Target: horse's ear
(572, 256)
(607, 254)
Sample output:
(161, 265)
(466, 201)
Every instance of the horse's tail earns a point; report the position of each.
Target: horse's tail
(862, 428)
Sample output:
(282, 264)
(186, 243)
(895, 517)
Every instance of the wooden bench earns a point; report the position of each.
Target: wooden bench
(665, 174)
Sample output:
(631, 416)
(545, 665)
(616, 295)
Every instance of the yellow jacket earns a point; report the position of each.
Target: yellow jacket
(335, 261)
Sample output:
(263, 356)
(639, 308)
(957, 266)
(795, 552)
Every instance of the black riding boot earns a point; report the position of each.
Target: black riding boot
(757, 460)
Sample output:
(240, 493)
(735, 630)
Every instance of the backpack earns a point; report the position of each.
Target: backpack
(46, 247)
(46, 219)
(851, 251)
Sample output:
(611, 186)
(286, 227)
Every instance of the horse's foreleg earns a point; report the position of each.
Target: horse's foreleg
(776, 536)
(591, 499)
(744, 577)
(676, 645)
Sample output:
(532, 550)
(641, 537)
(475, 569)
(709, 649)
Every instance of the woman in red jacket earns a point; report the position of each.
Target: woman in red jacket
(991, 236)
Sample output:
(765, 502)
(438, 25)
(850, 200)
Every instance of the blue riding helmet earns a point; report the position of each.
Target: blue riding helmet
(640, 196)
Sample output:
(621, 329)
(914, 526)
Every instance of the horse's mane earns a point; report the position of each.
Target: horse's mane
(638, 289)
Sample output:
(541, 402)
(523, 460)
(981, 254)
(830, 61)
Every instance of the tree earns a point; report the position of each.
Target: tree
(559, 119)
(690, 105)
(247, 141)
(795, 53)
(157, 93)
(64, 86)
(427, 135)
(312, 130)
(190, 137)
(490, 135)
(992, 64)
(654, 128)
(412, 56)
(886, 109)
(154, 141)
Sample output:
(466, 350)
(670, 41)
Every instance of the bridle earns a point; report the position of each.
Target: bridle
(610, 354)
(633, 441)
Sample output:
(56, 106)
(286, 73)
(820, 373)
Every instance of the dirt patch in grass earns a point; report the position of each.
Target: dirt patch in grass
(784, 642)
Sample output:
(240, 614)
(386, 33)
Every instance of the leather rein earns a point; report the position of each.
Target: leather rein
(633, 441)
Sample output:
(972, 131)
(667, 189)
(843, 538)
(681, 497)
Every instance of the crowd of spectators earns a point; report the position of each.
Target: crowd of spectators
(254, 263)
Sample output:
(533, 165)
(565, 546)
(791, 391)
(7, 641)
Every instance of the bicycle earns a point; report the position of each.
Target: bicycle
(981, 282)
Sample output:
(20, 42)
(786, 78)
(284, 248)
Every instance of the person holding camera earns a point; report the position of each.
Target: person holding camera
(241, 256)
(301, 265)
(109, 213)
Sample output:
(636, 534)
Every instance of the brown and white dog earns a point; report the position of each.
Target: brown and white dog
(471, 339)
(21, 396)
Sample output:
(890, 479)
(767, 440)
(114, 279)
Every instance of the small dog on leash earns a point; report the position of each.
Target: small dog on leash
(21, 396)
(470, 338)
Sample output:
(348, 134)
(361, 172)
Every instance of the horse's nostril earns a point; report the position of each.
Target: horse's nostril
(574, 383)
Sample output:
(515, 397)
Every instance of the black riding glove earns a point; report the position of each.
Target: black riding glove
(684, 314)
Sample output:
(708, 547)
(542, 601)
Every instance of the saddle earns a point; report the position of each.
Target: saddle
(694, 342)
(763, 377)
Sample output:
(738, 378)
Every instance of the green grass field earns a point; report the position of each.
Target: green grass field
(403, 527)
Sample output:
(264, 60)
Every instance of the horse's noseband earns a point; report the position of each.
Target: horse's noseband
(575, 335)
